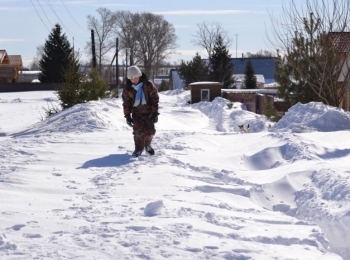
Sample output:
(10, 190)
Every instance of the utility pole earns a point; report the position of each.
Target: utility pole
(126, 62)
(116, 64)
(131, 57)
(93, 49)
(236, 44)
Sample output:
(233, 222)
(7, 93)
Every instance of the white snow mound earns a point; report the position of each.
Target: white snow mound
(311, 117)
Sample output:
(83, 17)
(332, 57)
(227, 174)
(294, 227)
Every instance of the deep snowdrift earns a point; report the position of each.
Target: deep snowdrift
(70, 190)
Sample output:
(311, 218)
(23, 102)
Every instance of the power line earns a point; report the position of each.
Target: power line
(45, 24)
(39, 15)
(49, 22)
(67, 28)
(44, 12)
(72, 16)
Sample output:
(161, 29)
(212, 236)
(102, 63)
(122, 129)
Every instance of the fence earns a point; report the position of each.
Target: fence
(24, 86)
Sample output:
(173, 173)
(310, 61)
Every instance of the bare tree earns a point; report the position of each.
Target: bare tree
(261, 53)
(315, 41)
(34, 65)
(103, 27)
(207, 35)
(149, 37)
(126, 29)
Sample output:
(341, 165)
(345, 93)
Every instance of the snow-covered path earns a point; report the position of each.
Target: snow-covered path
(70, 190)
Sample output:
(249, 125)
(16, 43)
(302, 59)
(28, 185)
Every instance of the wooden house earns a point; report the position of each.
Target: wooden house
(205, 91)
(9, 67)
(341, 42)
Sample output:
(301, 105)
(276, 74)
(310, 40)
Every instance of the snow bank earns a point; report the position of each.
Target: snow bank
(311, 117)
(228, 119)
(88, 117)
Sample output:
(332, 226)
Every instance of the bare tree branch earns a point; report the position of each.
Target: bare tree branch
(103, 28)
(307, 36)
(150, 37)
(207, 35)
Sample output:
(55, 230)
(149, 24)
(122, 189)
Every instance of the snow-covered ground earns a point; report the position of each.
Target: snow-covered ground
(69, 188)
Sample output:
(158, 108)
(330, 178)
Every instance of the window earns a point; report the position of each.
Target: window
(205, 95)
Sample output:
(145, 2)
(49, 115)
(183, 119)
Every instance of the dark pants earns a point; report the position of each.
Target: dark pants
(143, 130)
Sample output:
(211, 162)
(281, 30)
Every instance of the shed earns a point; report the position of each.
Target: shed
(205, 91)
(252, 98)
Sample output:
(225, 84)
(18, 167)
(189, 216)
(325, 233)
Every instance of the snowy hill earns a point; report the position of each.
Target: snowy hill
(70, 190)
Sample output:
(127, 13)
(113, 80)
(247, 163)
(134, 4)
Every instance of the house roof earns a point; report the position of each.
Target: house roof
(341, 41)
(15, 60)
(261, 65)
(3, 57)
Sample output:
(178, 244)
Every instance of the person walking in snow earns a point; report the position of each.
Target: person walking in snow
(140, 105)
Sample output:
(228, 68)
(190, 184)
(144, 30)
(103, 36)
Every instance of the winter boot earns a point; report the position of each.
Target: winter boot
(137, 153)
(149, 149)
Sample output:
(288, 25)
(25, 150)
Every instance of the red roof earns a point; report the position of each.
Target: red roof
(341, 41)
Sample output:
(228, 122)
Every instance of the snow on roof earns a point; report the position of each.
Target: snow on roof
(240, 77)
(257, 91)
(271, 85)
(29, 72)
(205, 82)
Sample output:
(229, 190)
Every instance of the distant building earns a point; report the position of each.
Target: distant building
(341, 42)
(239, 80)
(262, 66)
(175, 80)
(158, 79)
(253, 99)
(9, 67)
(29, 76)
(205, 91)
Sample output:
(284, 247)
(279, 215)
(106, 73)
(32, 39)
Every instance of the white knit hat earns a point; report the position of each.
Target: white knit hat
(134, 72)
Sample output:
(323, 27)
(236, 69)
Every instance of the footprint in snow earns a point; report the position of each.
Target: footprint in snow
(17, 227)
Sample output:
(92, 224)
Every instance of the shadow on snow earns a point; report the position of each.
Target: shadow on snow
(112, 160)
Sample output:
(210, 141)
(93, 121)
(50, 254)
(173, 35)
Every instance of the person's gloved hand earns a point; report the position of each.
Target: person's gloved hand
(154, 116)
(129, 120)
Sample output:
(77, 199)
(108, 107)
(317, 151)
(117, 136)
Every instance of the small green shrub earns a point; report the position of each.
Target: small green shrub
(270, 111)
(78, 89)
(49, 111)
(163, 86)
(94, 88)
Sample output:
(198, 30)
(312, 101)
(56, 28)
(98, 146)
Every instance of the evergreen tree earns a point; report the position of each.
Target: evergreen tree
(313, 61)
(292, 87)
(249, 76)
(194, 70)
(94, 88)
(221, 67)
(163, 86)
(56, 57)
(270, 111)
(69, 93)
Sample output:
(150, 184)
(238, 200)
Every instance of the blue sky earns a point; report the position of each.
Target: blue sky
(27, 24)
